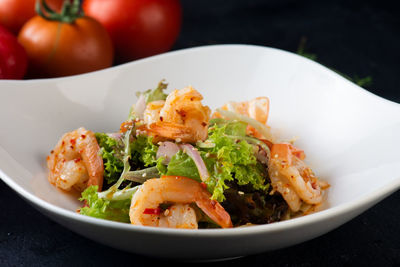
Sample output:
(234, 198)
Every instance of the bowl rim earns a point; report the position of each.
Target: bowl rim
(317, 217)
(211, 47)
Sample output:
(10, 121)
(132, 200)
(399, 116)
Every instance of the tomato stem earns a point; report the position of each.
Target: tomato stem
(71, 10)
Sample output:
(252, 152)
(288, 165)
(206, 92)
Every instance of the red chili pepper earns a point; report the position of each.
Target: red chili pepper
(155, 211)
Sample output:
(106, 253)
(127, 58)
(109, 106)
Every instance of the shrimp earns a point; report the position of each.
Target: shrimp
(179, 216)
(291, 177)
(179, 190)
(152, 111)
(181, 116)
(257, 108)
(75, 162)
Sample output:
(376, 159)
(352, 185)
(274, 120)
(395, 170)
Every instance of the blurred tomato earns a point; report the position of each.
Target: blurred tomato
(67, 44)
(14, 13)
(13, 60)
(138, 28)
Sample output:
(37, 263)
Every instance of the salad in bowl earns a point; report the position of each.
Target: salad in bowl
(175, 163)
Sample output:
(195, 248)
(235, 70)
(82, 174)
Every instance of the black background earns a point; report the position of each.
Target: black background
(357, 38)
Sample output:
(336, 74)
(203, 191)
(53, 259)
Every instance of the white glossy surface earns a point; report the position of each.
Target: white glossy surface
(349, 135)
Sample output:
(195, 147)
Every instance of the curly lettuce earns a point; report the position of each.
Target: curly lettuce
(229, 158)
(144, 151)
(113, 203)
(110, 150)
(115, 210)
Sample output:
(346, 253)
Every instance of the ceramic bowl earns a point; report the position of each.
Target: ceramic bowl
(350, 137)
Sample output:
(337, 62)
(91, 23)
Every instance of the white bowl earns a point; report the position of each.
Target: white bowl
(350, 137)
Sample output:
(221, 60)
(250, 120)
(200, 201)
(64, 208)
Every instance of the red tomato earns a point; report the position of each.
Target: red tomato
(57, 48)
(13, 59)
(138, 28)
(14, 13)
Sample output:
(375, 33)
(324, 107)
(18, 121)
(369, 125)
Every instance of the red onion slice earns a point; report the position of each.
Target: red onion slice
(167, 150)
(195, 155)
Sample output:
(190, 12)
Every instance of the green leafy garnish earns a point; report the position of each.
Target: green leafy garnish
(110, 150)
(155, 94)
(115, 210)
(232, 127)
(143, 150)
(106, 204)
(231, 157)
(182, 165)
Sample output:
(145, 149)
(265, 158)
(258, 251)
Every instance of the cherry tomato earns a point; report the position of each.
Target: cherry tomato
(57, 48)
(14, 13)
(138, 28)
(13, 59)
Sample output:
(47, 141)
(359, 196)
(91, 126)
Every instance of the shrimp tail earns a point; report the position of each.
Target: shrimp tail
(215, 211)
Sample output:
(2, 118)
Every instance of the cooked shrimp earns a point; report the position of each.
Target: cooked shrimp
(145, 203)
(291, 177)
(257, 108)
(152, 111)
(76, 162)
(179, 216)
(182, 116)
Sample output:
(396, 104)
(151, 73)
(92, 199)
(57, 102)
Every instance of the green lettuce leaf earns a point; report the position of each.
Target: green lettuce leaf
(115, 210)
(182, 165)
(155, 94)
(144, 151)
(232, 127)
(231, 159)
(110, 150)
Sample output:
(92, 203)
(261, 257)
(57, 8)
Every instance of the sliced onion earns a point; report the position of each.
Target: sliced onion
(195, 155)
(140, 106)
(167, 150)
(253, 141)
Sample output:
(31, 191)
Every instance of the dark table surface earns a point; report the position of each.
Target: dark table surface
(357, 38)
